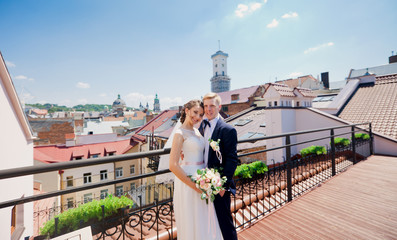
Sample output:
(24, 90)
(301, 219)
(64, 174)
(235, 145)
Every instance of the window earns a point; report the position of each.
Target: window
(104, 174)
(111, 154)
(104, 193)
(94, 155)
(70, 202)
(235, 97)
(223, 65)
(87, 197)
(132, 169)
(132, 187)
(87, 178)
(119, 172)
(269, 104)
(216, 65)
(78, 158)
(275, 103)
(119, 191)
(223, 73)
(69, 181)
(242, 122)
(225, 108)
(297, 104)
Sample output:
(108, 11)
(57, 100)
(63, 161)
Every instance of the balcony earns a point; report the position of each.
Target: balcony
(286, 187)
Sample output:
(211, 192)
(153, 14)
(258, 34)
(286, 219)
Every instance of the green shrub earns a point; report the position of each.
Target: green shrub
(362, 136)
(70, 220)
(251, 169)
(341, 141)
(318, 150)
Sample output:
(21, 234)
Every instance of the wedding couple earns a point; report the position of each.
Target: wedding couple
(195, 219)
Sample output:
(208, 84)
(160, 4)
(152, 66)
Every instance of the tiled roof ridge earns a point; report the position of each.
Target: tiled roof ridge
(239, 89)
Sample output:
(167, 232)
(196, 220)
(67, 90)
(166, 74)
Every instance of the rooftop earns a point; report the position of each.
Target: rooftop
(376, 103)
(244, 94)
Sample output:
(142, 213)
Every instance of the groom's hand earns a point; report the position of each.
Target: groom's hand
(221, 193)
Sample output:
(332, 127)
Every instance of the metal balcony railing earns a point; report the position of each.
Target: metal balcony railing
(286, 179)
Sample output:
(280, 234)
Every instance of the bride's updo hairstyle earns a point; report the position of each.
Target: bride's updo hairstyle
(189, 105)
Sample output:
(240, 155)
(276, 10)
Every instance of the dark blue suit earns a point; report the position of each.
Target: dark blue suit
(228, 147)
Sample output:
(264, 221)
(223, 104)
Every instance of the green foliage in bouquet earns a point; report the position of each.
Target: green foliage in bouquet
(317, 150)
(251, 169)
(70, 220)
(341, 141)
(362, 136)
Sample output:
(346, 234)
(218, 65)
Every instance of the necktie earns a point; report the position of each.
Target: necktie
(206, 122)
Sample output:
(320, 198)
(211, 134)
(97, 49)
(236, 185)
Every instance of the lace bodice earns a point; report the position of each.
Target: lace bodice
(193, 150)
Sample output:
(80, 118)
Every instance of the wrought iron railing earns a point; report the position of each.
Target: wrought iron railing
(286, 179)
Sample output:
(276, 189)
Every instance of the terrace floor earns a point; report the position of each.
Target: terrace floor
(360, 203)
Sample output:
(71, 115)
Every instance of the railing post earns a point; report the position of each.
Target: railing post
(371, 140)
(289, 175)
(56, 226)
(333, 152)
(354, 145)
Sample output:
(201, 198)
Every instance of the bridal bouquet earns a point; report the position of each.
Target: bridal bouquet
(210, 182)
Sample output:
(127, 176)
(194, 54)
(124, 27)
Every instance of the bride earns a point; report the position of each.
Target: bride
(194, 218)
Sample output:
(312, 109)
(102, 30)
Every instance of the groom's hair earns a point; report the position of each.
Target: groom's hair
(212, 95)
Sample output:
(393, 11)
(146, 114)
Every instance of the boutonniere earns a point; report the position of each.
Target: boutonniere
(215, 146)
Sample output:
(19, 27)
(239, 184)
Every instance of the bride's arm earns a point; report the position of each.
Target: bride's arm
(174, 162)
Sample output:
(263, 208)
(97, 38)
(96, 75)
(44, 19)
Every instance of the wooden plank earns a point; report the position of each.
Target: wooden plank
(360, 203)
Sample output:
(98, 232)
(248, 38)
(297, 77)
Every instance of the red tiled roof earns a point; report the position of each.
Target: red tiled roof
(282, 89)
(50, 154)
(40, 111)
(375, 103)
(244, 94)
(306, 92)
(155, 123)
(294, 82)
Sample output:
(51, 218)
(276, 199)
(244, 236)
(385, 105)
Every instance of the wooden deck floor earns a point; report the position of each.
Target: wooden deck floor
(360, 203)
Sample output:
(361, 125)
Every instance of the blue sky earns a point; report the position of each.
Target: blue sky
(87, 51)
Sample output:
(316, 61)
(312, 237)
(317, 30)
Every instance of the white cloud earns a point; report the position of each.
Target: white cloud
(273, 24)
(290, 15)
(10, 64)
(82, 85)
(265, 1)
(313, 49)
(27, 97)
(134, 99)
(22, 77)
(243, 9)
(103, 95)
(82, 101)
(294, 74)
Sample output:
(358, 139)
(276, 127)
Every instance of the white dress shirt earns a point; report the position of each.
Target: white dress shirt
(207, 135)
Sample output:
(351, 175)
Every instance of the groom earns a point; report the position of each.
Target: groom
(213, 127)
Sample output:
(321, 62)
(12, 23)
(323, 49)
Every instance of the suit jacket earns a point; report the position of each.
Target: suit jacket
(228, 148)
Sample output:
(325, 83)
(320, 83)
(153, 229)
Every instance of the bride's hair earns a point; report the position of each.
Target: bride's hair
(189, 105)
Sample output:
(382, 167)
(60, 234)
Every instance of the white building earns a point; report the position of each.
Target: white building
(16, 145)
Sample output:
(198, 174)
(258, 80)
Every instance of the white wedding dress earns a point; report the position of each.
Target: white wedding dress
(195, 219)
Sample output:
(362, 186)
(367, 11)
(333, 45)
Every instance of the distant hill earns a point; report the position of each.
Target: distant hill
(83, 108)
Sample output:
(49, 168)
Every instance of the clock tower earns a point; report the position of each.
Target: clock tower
(220, 82)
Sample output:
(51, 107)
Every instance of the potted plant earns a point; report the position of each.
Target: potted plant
(341, 142)
(313, 151)
(86, 215)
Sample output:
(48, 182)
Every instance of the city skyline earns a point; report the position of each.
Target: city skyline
(77, 52)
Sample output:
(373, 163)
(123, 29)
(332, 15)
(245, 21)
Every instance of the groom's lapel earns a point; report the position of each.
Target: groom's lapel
(214, 137)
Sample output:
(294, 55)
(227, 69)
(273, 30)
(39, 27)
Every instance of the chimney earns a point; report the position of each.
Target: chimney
(325, 79)
(392, 58)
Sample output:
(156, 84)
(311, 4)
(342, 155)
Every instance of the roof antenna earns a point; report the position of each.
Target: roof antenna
(219, 44)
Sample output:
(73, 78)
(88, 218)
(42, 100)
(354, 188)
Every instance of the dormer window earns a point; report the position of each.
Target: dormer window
(235, 97)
